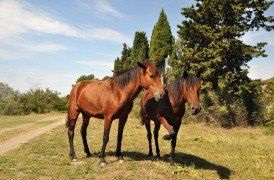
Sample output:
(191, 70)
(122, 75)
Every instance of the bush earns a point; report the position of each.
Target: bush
(33, 101)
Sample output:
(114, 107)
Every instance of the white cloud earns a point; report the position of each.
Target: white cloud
(26, 49)
(261, 69)
(23, 79)
(98, 67)
(44, 47)
(253, 37)
(6, 54)
(100, 7)
(96, 64)
(17, 18)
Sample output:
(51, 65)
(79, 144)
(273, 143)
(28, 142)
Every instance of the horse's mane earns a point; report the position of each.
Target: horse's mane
(131, 74)
(175, 87)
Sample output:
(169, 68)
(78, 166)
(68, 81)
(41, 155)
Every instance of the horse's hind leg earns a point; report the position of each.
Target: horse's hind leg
(156, 135)
(149, 137)
(107, 125)
(85, 124)
(121, 125)
(71, 122)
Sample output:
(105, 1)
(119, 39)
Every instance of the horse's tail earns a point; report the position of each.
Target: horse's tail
(67, 122)
(73, 108)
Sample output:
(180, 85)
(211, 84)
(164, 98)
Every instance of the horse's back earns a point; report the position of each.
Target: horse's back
(89, 97)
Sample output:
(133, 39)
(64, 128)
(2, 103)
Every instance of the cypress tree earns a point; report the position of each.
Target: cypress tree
(117, 66)
(125, 57)
(161, 42)
(140, 49)
(210, 40)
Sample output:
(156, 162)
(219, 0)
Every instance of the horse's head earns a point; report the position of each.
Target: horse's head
(151, 79)
(192, 86)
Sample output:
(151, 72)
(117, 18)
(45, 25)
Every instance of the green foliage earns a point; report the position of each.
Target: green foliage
(140, 49)
(33, 101)
(125, 57)
(117, 66)
(161, 43)
(161, 39)
(6, 91)
(268, 100)
(210, 40)
(123, 63)
(85, 78)
(105, 78)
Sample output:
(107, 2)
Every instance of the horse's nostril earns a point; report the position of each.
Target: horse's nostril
(192, 107)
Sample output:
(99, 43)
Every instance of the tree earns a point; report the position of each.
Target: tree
(161, 42)
(125, 57)
(85, 77)
(105, 78)
(210, 40)
(140, 49)
(117, 66)
(6, 91)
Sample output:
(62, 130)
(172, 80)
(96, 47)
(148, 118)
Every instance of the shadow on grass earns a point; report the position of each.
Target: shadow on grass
(181, 158)
(200, 163)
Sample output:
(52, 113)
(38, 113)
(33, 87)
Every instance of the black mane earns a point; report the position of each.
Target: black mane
(125, 77)
(175, 87)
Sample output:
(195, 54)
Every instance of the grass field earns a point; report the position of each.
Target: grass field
(202, 152)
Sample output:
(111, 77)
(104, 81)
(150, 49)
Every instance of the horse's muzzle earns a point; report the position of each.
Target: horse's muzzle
(195, 110)
(158, 95)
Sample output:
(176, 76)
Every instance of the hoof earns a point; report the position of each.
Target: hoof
(167, 137)
(121, 159)
(158, 156)
(102, 162)
(150, 155)
(74, 160)
(88, 155)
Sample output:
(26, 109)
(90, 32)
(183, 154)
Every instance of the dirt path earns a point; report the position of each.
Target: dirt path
(17, 141)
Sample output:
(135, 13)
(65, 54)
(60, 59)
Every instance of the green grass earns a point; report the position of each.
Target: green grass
(202, 152)
(11, 126)
(11, 121)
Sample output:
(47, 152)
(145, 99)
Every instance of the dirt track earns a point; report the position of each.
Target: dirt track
(17, 141)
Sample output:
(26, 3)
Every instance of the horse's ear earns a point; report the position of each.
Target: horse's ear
(141, 65)
(185, 74)
(199, 73)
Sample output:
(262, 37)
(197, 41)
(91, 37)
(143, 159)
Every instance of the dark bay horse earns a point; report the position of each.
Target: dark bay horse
(109, 100)
(170, 110)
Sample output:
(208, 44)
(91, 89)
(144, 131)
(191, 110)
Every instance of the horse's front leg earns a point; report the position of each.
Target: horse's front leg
(173, 142)
(168, 127)
(156, 135)
(121, 125)
(149, 137)
(107, 125)
(173, 145)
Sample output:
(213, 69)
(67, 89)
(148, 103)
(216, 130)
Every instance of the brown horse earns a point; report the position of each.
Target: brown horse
(110, 99)
(170, 110)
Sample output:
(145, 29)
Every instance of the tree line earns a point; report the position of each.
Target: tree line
(209, 39)
(13, 102)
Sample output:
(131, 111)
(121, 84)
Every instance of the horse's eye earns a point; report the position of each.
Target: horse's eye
(151, 76)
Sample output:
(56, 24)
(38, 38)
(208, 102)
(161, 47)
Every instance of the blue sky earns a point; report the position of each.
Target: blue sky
(51, 43)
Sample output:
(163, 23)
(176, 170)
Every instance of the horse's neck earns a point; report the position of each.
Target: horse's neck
(177, 104)
(131, 91)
